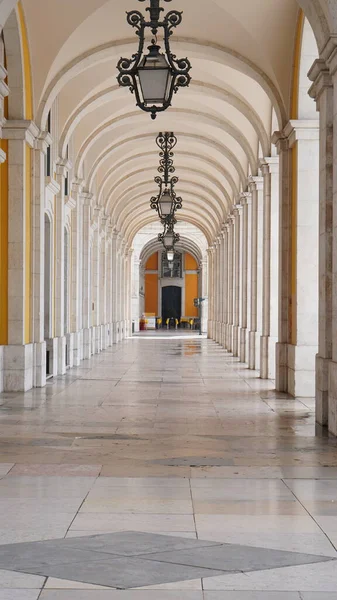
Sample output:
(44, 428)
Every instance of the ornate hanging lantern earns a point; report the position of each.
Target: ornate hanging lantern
(169, 238)
(167, 202)
(154, 77)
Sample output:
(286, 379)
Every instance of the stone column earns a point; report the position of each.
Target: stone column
(204, 294)
(236, 300)
(114, 244)
(76, 275)
(272, 164)
(303, 139)
(264, 345)
(38, 259)
(225, 286)
(285, 158)
(109, 282)
(61, 173)
(96, 266)
(322, 91)
(86, 274)
(221, 288)
(246, 231)
(210, 287)
(256, 188)
(230, 305)
(218, 290)
(18, 354)
(136, 310)
(103, 283)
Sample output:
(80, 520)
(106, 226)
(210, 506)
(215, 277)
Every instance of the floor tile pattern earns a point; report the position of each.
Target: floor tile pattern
(172, 436)
(134, 559)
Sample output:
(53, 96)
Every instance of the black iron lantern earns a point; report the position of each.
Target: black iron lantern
(169, 238)
(167, 202)
(154, 77)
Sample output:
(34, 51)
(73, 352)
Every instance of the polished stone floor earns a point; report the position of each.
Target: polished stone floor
(165, 469)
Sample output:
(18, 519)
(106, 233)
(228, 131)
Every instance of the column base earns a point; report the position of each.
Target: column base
(301, 370)
(1, 369)
(86, 343)
(332, 411)
(322, 390)
(267, 357)
(97, 336)
(252, 350)
(281, 367)
(61, 355)
(18, 368)
(39, 372)
(243, 344)
(114, 333)
(70, 350)
(76, 348)
(52, 350)
(236, 340)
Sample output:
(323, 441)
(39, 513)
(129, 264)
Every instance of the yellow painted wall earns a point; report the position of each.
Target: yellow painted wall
(151, 293)
(191, 292)
(152, 263)
(190, 263)
(4, 247)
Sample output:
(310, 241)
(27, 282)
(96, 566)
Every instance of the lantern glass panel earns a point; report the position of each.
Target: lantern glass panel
(165, 203)
(155, 78)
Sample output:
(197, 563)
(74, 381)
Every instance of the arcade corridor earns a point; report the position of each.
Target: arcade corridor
(170, 437)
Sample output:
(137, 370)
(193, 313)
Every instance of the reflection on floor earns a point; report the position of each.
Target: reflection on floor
(171, 437)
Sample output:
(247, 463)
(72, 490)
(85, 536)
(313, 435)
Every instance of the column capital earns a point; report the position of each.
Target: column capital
(77, 185)
(43, 142)
(16, 129)
(272, 163)
(245, 198)
(329, 53)
(320, 75)
(255, 183)
(62, 167)
(86, 198)
(301, 129)
(280, 141)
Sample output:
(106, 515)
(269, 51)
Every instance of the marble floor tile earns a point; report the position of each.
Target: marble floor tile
(19, 594)
(121, 595)
(254, 596)
(172, 437)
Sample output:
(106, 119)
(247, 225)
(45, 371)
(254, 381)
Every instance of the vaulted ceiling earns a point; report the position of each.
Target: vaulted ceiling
(242, 56)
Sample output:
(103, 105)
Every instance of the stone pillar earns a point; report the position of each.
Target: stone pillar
(18, 354)
(217, 290)
(96, 291)
(236, 300)
(256, 187)
(114, 244)
(322, 91)
(38, 259)
(210, 287)
(103, 283)
(76, 275)
(303, 139)
(225, 286)
(264, 345)
(285, 158)
(329, 134)
(272, 164)
(86, 274)
(109, 282)
(246, 233)
(61, 170)
(229, 336)
(204, 294)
